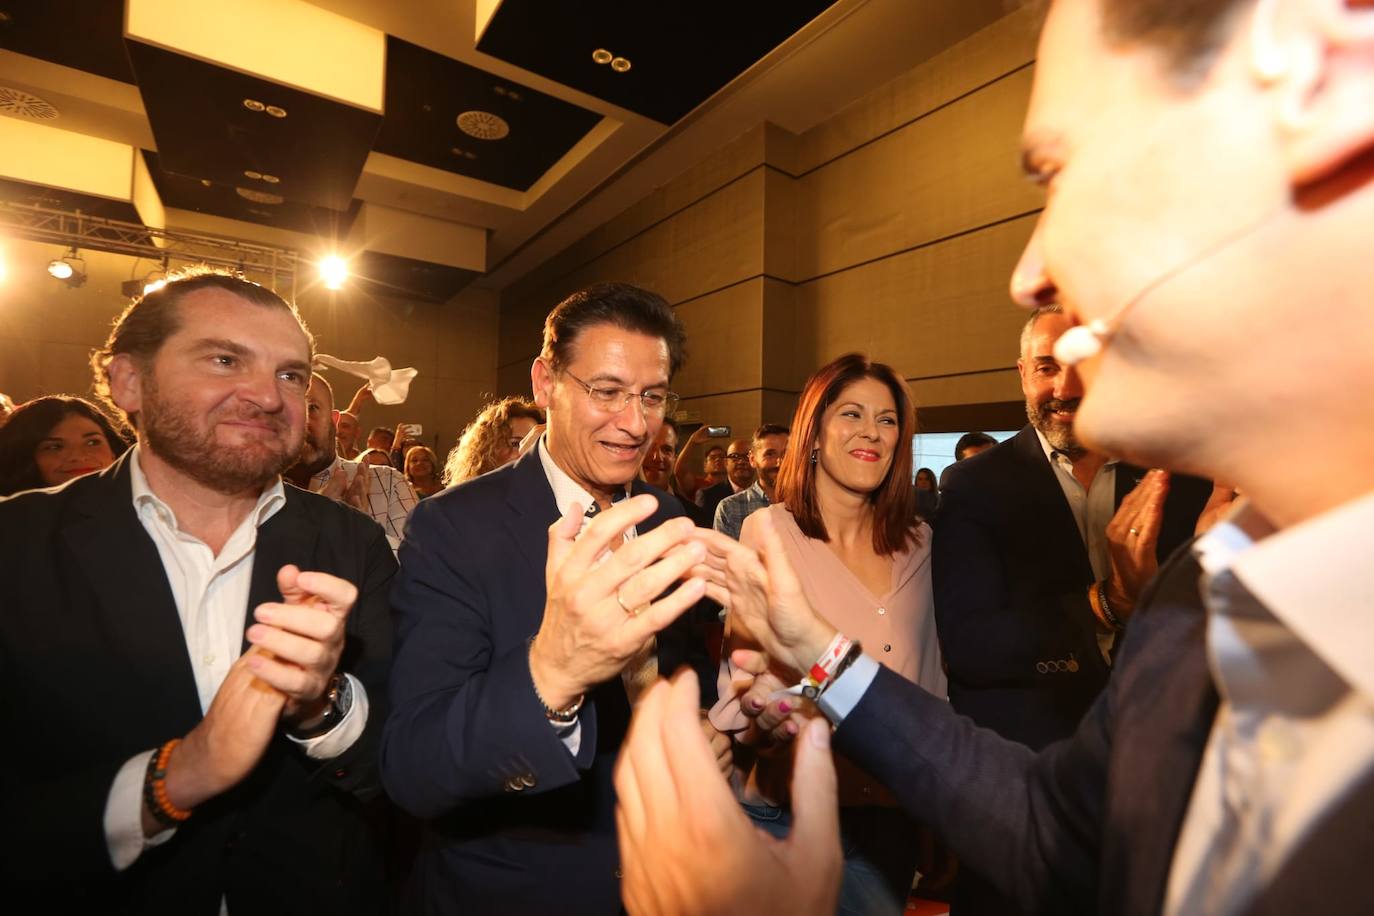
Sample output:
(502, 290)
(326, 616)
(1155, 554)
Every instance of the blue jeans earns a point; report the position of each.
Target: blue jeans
(879, 846)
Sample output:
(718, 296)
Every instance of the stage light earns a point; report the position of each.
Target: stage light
(69, 268)
(333, 271)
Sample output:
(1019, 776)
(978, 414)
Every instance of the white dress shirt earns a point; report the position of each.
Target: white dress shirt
(390, 497)
(567, 491)
(1290, 642)
(211, 594)
(1092, 508)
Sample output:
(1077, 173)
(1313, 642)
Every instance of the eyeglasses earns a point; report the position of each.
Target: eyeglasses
(614, 400)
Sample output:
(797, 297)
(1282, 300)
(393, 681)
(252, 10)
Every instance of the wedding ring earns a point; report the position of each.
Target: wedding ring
(633, 612)
(1133, 531)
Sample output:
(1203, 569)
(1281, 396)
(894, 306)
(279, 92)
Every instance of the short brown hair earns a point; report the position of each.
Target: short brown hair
(627, 307)
(894, 502)
(145, 325)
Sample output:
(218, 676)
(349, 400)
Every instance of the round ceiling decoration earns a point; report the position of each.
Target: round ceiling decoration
(25, 105)
(259, 197)
(483, 125)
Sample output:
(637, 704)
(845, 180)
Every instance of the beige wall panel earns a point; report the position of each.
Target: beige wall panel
(724, 340)
(63, 368)
(996, 50)
(934, 311)
(739, 411)
(720, 168)
(953, 171)
(977, 388)
(521, 329)
(514, 378)
(455, 405)
(467, 342)
(783, 229)
(778, 407)
(19, 373)
(781, 368)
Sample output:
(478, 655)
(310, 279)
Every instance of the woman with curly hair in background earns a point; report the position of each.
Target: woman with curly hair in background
(492, 439)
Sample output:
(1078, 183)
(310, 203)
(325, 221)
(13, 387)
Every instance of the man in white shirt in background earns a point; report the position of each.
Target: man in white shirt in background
(1210, 179)
(195, 656)
(379, 491)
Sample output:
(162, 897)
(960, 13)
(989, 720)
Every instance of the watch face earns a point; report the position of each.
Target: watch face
(343, 699)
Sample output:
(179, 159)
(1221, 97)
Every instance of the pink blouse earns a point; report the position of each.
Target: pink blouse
(896, 628)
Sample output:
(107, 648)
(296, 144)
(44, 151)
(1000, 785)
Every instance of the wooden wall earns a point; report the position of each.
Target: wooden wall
(890, 228)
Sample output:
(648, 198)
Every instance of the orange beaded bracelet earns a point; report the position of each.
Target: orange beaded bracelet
(155, 788)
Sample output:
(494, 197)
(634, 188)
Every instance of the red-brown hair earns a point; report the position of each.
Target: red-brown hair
(894, 501)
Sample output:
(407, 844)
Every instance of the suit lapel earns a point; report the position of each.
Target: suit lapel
(533, 510)
(134, 606)
(1054, 517)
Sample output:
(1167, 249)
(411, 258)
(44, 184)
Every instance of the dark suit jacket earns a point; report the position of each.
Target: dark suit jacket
(1089, 824)
(1011, 577)
(94, 669)
(711, 497)
(517, 824)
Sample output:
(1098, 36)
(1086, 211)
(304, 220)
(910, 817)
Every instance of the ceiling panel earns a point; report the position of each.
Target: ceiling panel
(32, 195)
(82, 34)
(679, 54)
(249, 201)
(427, 92)
(204, 128)
(391, 275)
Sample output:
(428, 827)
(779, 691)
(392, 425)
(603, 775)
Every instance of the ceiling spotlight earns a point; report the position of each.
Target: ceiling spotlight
(276, 111)
(620, 65)
(253, 105)
(602, 56)
(249, 173)
(69, 268)
(270, 179)
(333, 271)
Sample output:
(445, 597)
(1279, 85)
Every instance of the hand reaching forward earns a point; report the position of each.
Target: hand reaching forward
(599, 614)
(303, 636)
(764, 599)
(338, 488)
(672, 804)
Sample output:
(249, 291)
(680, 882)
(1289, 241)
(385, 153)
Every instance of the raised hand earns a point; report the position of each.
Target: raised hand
(599, 614)
(672, 804)
(303, 636)
(1133, 538)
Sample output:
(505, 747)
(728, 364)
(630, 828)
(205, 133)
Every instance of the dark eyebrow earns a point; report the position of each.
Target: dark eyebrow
(1046, 359)
(297, 364)
(220, 343)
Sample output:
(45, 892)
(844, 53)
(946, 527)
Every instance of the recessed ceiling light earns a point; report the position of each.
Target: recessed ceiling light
(468, 154)
(456, 150)
(620, 65)
(602, 56)
(254, 105)
(205, 182)
(249, 173)
(499, 90)
(277, 111)
(271, 179)
(483, 125)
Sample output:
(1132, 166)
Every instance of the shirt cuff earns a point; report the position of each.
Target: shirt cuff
(341, 737)
(848, 689)
(124, 814)
(570, 734)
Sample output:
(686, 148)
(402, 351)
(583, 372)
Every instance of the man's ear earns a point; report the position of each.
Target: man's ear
(126, 383)
(1319, 57)
(541, 383)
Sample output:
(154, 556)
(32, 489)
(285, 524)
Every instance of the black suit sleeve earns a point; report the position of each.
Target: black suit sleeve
(993, 631)
(465, 718)
(1028, 822)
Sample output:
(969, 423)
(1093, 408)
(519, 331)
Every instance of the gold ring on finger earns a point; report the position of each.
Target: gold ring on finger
(633, 612)
(1135, 531)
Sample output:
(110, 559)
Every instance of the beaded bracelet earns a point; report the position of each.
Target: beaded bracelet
(155, 788)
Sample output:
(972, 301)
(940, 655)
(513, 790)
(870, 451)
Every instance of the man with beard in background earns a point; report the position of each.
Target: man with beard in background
(1043, 549)
(165, 769)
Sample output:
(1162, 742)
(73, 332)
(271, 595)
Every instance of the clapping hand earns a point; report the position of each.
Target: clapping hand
(672, 804)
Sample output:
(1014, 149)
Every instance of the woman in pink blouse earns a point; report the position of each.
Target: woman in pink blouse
(845, 511)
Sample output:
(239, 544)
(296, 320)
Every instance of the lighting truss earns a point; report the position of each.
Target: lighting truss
(79, 230)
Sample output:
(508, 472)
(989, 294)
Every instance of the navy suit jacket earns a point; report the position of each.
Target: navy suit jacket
(1011, 577)
(516, 823)
(1089, 824)
(94, 669)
